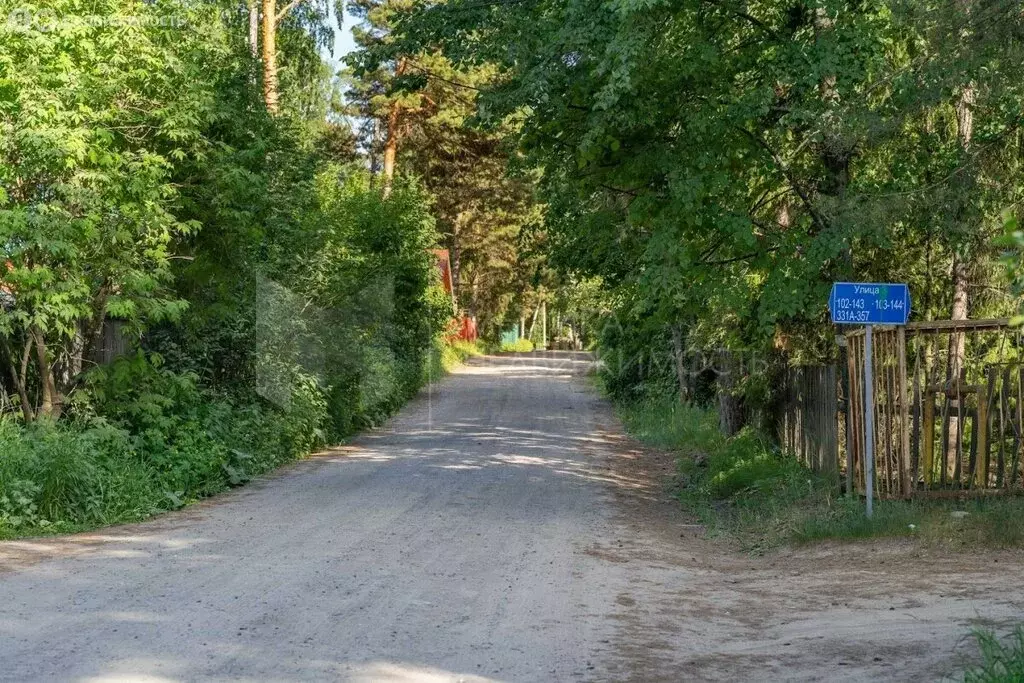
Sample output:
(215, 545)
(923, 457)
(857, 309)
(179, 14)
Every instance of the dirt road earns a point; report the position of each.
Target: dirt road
(500, 528)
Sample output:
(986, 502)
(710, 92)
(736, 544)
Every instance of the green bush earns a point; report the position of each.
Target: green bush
(742, 485)
(71, 475)
(634, 349)
(463, 350)
(748, 463)
(724, 469)
(148, 440)
(448, 355)
(518, 346)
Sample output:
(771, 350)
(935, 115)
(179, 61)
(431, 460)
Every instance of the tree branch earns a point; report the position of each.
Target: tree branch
(816, 216)
(287, 8)
(740, 258)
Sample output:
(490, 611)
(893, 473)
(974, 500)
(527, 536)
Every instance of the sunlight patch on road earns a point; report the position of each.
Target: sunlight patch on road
(133, 617)
(388, 672)
(129, 672)
(524, 460)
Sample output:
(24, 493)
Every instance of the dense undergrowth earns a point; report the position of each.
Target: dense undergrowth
(263, 292)
(745, 488)
(156, 441)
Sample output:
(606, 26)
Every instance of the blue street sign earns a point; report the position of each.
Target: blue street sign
(869, 303)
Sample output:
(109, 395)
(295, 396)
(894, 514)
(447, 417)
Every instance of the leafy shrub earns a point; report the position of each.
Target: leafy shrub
(748, 463)
(59, 475)
(518, 346)
(464, 350)
(743, 485)
(634, 351)
(162, 441)
(446, 355)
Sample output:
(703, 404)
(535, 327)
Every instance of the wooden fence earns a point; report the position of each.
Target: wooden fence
(809, 416)
(114, 343)
(948, 421)
(948, 410)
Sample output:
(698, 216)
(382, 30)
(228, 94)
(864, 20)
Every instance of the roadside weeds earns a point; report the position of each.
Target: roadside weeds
(746, 489)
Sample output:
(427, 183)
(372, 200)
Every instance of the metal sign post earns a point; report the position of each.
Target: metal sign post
(869, 423)
(868, 304)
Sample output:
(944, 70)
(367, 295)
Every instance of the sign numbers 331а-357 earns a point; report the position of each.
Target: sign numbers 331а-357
(869, 303)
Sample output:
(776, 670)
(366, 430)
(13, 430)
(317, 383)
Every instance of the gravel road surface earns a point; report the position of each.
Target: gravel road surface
(500, 528)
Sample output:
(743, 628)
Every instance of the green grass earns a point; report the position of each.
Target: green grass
(151, 440)
(1002, 661)
(990, 522)
(446, 356)
(746, 488)
(519, 346)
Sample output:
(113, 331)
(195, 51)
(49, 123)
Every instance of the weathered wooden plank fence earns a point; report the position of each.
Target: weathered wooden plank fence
(808, 423)
(948, 422)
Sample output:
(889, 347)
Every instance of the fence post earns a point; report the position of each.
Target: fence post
(901, 351)
(851, 434)
(869, 420)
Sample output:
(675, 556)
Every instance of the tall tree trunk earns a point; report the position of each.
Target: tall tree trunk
(544, 326)
(962, 262)
(271, 93)
(254, 28)
(732, 415)
(533, 323)
(391, 147)
(19, 375)
(960, 275)
(835, 152)
(392, 135)
(50, 400)
(959, 311)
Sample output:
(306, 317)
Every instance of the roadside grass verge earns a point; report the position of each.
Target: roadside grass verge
(518, 346)
(447, 356)
(1002, 660)
(745, 488)
(155, 441)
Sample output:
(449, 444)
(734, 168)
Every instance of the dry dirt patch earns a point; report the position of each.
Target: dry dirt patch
(699, 609)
